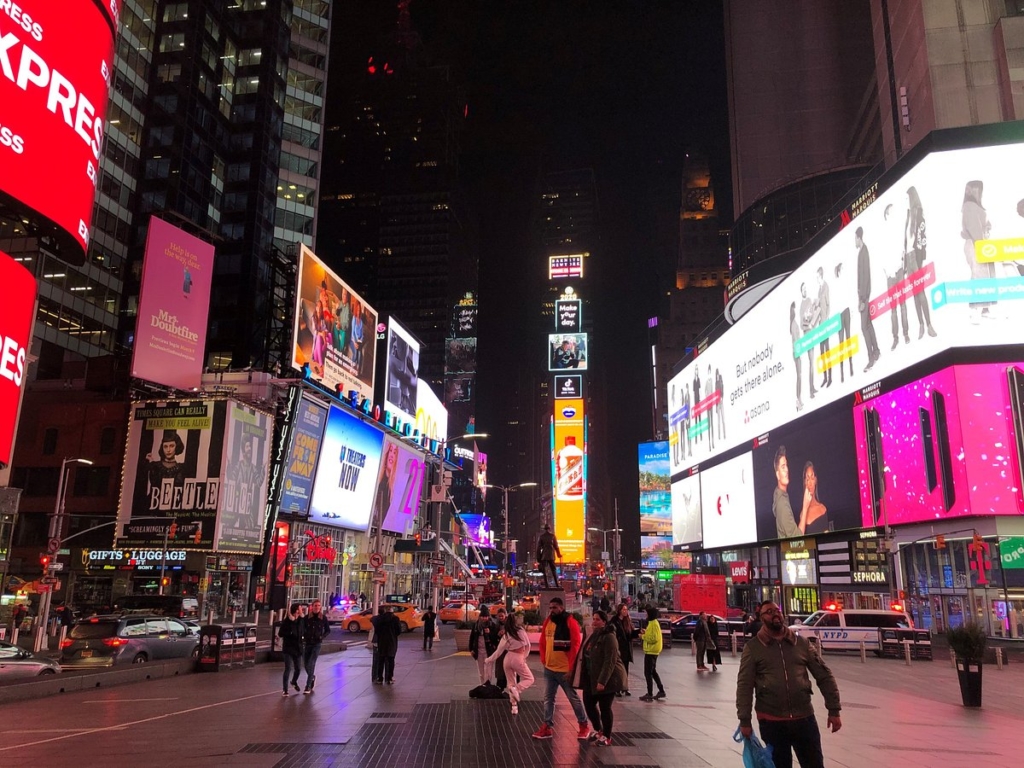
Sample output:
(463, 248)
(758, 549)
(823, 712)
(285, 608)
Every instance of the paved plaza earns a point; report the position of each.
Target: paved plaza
(893, 715)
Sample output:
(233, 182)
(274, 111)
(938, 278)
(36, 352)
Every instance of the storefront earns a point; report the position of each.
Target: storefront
(799, 572)
(225, 583)
(97, 576)
(319, 556)
(853, 572)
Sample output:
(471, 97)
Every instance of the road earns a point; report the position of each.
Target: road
(893, 715)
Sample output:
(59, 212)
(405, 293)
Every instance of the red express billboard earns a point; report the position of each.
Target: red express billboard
(15, 333)
(55, 70)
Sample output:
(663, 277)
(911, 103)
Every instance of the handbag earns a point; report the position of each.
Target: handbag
(755, 754)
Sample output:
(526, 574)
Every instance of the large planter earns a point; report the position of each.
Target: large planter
(462, 639)
(969, 674)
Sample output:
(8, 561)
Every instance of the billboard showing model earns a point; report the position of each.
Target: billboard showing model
(402, 371)
(174, 463)
(931, 264)
(174, 306)
(567, 350)
(399, 487)
(244, 491)
(346, 473)
(56, 64)
(655, 494)
(334, 329)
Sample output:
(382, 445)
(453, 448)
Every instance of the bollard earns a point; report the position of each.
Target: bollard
(863, 652)
(734, 643)
(63, 635)
(209, 619)
(952, 658)
(999, 658)
(256, 618)
(14, 635)
(693, 646)
(234, 615)
(906, 652)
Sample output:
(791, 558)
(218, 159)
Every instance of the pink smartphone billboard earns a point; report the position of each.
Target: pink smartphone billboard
(174, 305)
(940, 447)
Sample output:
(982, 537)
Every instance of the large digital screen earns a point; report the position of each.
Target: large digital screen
(478, 528)
(727, 503)
(402, 371)
(806, 484)
(174, 306)
(56, 64)
(940, 447)
(655, 493)
(399, 486)
(568, 315)
(686, 522)
(15, 334)
(464, 318)
(460, 355)
(567, 351)
(431, 415)
(303, 453)
(931, 264)
(569, 477)
(243, 498)
(334, 332)
(570, 265)
(656, 553)
(802, 572)
(346, 473)
(173, 470)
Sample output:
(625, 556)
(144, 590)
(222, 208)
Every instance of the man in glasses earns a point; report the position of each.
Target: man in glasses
(560, 640)
(776, 662)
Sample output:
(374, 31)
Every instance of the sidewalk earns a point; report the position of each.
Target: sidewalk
(893, 715)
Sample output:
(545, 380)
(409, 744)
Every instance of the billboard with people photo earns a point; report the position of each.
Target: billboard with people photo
(399, 486)
(335, 329)
(244, 490)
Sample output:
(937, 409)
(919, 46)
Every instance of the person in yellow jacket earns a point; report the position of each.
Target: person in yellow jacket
(652, 648)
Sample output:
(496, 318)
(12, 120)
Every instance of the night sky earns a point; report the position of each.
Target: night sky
(625, 88)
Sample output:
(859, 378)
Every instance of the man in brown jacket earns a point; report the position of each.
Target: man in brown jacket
(776, 663)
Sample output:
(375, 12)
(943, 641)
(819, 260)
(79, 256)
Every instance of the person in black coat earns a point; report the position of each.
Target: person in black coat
(624, 634)
(386, 630)
(713, 650)
(291, 633)
(316, 629)
(429, 628)
(483, 641)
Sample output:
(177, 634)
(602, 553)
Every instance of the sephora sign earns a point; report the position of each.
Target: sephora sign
(15, 332)
(55, 71)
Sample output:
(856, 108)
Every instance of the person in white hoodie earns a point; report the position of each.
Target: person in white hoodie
(515, 644)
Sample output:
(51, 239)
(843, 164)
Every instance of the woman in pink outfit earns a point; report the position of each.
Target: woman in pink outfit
(517, 644)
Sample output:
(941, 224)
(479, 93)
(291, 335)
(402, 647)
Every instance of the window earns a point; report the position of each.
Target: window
(172, 42)
(92, 481)
(50, 441)
(135, 628)
(830, 620)
(168, 73)
(176, 12)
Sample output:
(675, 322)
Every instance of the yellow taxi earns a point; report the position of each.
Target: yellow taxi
(530, 602)
(456, 611)
(409, 616)
(358, 621)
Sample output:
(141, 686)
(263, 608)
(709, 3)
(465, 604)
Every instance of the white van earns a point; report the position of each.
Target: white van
(838, 629)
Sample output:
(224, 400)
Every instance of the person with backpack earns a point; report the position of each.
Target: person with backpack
(653, 644)
(291, 633)
(316, 629)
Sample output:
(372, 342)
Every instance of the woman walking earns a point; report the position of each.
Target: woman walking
(601, 675)
(714, 655)
(653, 644)
(701, 633)
(515, 645)
(624, 633)
(915, 246)
(290, 632)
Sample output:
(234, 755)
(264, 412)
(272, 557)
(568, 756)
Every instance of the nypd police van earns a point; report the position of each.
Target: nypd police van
(839, 629)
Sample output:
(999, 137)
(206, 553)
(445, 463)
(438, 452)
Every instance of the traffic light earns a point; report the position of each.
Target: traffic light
(419, 539)
(165, 582)
(940, 541)
(44, 561)
(173, 530)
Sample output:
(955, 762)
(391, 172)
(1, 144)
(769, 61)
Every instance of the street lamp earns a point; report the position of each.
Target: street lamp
(605, 532)
(505, 489)
(54, 538)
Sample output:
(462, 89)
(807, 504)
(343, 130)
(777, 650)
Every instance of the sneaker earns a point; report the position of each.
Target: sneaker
(660, 695)
(515, 709)
(284, 692)
(296, 686)
(627, 693)
(544, 732)
(307, 691)
(594, 736)
(647, 697)
(714, 667)
(584, 731)
(603, 741)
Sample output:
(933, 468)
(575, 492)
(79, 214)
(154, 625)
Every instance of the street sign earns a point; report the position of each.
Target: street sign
(476, 582)
(53, 545)
(380, 577)
(437, 561)
(56, 566)
(376, 559)
(48, 580)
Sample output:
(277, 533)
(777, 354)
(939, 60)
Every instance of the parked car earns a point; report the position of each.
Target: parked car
(18, 664)
(409, 616)
(359, 621)
(340, 613)
(181, 606)
(457, 611)
(682, 629)
(130, 638)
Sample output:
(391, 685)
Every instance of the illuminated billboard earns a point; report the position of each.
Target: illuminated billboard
(930, 265)
(926, 451)
(566, 266)
(16, 333)
(401, 371)
(460, 355)
(173, 471)
(431, 415)
(243, 497)
(399, 486)
(567, 351)
(346, 473)
(568, 315)
(569, 478)
(655, 493)
(478, 528)
(56, 66)
(686, 522)
(174, 306)
(303, 453)
(727, 503)
(568, 386)
(334, 331)
(464, 318)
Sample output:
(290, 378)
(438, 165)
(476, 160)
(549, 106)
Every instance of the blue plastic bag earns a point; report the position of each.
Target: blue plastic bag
(755, 754)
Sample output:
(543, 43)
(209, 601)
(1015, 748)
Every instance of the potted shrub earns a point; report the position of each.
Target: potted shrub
(461, 633)
(968, 644)
(531, 620)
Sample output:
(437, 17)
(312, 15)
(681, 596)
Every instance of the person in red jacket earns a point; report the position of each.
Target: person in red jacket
(560, 640)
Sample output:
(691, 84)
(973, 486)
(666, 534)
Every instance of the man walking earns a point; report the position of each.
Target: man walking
(547, 548)
(560, 640)
(776, 662)
(386, 630)
(316, 630)
(867, 328)
(429, 628)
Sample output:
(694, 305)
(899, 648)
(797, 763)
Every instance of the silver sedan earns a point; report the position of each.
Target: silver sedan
(19, 664)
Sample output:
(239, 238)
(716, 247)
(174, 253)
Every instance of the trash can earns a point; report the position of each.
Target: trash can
(249, 645)
(216, 643)
(891, 642)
